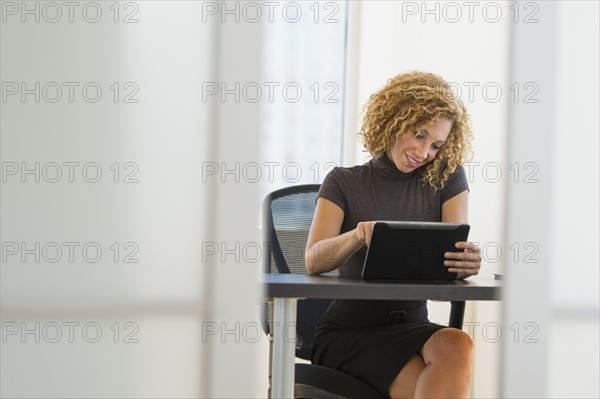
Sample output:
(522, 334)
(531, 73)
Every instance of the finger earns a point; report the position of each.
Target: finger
(455, 265)
(461, 244)
(464, 262)
(469, 246)
(470, 270)
(461, 264)
(360, 234)
(369, 232)
(464, 272)
(464, 256)
(458, 255)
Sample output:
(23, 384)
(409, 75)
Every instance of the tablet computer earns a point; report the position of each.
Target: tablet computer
(412, 250)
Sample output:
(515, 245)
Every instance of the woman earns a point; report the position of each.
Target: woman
(419, 136)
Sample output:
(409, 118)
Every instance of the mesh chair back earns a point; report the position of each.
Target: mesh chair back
(287, 216)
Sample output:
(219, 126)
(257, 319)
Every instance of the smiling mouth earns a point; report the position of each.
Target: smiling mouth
(413, 163)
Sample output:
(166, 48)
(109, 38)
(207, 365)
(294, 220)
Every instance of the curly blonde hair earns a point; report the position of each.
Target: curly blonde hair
(410, 102)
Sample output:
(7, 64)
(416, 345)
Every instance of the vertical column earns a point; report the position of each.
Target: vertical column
(531, 138)
(230, 285)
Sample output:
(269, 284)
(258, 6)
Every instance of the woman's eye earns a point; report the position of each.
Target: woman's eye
(436, 147)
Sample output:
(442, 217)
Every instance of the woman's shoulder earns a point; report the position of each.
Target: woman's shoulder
(350, 171)
(458, 176)
(457, 182)
(340, 184)
(347, 175)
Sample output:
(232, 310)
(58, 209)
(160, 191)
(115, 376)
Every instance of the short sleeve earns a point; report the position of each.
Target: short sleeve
(456, 184)
(331, 189)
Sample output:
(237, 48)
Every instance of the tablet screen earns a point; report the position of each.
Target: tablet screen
(412, 250)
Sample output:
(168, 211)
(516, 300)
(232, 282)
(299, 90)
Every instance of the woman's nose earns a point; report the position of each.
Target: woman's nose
(423, 151)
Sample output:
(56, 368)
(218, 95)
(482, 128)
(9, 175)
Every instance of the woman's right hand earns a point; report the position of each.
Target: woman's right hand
(364, 231)
(326, 248)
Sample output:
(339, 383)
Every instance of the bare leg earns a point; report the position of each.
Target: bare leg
(405, 382)
(442, 370)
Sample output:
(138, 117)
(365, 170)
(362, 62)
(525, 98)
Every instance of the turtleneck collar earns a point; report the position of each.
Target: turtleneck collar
(387, 167)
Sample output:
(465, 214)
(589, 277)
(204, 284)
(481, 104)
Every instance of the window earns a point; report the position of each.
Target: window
(304, 49)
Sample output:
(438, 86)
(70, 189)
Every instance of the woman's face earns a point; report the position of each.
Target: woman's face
(414, 150)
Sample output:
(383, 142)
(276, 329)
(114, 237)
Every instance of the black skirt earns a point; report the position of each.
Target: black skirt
(371, 340)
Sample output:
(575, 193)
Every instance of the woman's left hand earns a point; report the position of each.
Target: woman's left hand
(466, 263)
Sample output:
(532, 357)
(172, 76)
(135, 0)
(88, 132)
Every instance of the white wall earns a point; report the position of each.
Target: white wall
(559, 295)
(575, 193)
(575, 280)
(174, 295)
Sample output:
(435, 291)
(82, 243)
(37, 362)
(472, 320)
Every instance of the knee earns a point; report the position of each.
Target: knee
(450, 345)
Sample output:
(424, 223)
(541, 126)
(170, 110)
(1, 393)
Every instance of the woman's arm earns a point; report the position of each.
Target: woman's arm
(326, 249)
(468, 262)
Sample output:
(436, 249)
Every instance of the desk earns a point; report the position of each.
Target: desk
(286, 289)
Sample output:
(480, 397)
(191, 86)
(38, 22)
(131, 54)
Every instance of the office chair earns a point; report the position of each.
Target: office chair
(287, 216)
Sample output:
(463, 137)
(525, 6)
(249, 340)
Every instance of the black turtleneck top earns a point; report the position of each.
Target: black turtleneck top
(378, 190)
